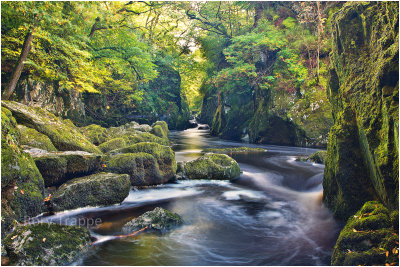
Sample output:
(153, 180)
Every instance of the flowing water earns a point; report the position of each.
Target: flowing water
(271, 215)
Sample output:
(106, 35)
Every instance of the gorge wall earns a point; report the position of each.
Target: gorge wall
(363, 149)
(162, 100)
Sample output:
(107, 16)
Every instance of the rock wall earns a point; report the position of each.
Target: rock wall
(49, 96)
(362, 162)
(235, 118)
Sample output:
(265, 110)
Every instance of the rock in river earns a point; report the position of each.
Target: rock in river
(158, 219)
(318, 157)
(212, 166)
(141, 167)
(164, 155)
(93, 190)
(46, 244)
(58, 167)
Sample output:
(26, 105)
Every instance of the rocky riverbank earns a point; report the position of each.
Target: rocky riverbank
(50, 165)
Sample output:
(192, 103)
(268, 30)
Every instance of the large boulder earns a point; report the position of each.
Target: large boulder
(160, 129)
(159, 219)
(142, 127)
(142, 168)
(58, 167)
(95, 133)
(22, 185)
(212, 166)
(363, 148)
(369, 238)
(113, 144)
(164, 155)
(110, 138)
(131, 138)
(62, 133)
(32, 138)
(93, 190)
(139, 137)
(46, 244)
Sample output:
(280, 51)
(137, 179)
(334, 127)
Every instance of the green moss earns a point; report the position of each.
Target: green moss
(93, 190)
(58, 167)
(95, 133)
(46, 244)
(366, 238)
(160, 129)
(32, 138)
(141, 167)
(21, 182)
(394, 217)
(234, 149)
(362, 162)
(10, 149)
(138, 137)
(218, 121)
(63, 135)
(164, 155)
(28, 200)
(113, 144)
(212, 166)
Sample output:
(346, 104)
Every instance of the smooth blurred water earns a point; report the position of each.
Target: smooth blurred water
(271, 215)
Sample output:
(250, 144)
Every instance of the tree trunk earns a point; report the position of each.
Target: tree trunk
(258, 9)
(20, 65)
(319, 39)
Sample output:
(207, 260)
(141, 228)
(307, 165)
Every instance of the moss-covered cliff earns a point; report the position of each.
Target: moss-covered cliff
(22, 185)
(362, 162)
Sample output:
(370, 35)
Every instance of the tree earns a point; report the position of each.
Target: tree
(26, 47)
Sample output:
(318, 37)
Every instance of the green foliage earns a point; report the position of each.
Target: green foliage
(289, 22)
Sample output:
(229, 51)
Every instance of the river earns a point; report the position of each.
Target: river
(271, 215)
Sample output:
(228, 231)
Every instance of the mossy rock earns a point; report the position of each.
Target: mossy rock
(180, 166)
(138, 137)
(141, 167)
(160, 129)
(368, 238)
(22, 185)
(212, 166)
(63, 135)
(32, 138)
(318, 157)
(164, 155)
(159, 220)
(27, 201)
(362, 162)
(234, 150)
(10, 149)
(93, 190)
(95, 133)
(113, 144)
(142, 127)
(58, 167)
(46, 244)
